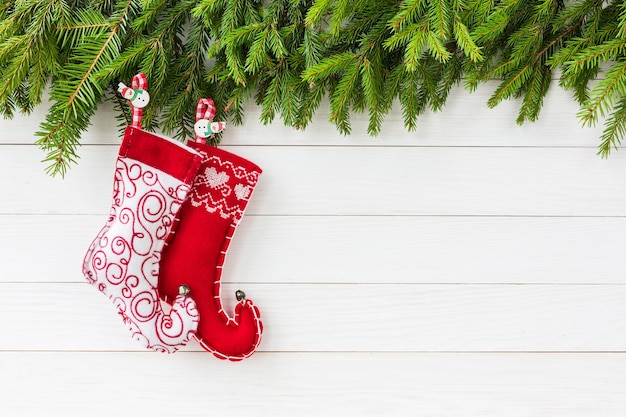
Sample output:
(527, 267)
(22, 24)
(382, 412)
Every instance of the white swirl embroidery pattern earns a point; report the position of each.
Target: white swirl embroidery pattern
(123, 260)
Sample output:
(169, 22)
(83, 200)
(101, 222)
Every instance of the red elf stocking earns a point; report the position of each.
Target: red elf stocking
(152, 178)
(197, 252)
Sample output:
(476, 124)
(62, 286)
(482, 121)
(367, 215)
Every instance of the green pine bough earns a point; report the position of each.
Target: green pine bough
(286, 55)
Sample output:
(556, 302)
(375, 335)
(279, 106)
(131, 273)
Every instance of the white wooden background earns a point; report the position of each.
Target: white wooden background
(471, 268)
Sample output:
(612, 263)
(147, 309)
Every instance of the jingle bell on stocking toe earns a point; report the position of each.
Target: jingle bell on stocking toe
(153, 177)
(196, 254)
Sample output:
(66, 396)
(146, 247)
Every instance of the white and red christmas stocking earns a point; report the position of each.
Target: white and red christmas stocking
(153, 176)
(196, 253)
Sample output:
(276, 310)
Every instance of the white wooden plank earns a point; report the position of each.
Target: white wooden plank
(361, 181)
(326, 317)
(351, 384)
(361, 249)
(365, 256)
(474, 124)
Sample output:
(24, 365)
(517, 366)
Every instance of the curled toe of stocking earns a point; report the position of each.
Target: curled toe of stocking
(236, 340)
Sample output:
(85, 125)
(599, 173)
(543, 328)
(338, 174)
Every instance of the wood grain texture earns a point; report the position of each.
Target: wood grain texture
(102, 384)
(361, 181)
(348, 317)
(358, 249)
(472, 268)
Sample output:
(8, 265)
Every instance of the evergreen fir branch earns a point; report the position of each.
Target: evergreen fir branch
(476, 12)
(7, 107)
(243, 35)
(411, 11)
(309, 104)
(614, 131)
(622, 19)
(439, 13)
(371, 82)
(317, 10)
(290, 99)
(489, 73)
(603, 94)
(536, 88)
(107, 52)
(579, 82)
(340, 98)
(124, 62)
(235, 59)
(405, 35)
(415, 48)
(450, 76)
(563, 57)
(155, 64)
(271, 100)
(525, 42)
(104, 6)
(337, 16)
(208, 8)
(258, 52)
(236, 13)
(76, 87)
(329, 66)
(152, 11)
(17, 66)
(412, 100)
(491, 29)
(43, 66)
(25, 50)
(542, 10)
(311, 47)
(184, 85)
(392, 85)
(81, 24)
(287, 54)
(276, 44)
(575, 12)
(22, 99)
(236, 102)
(437, 47)
(593, 56)
(510, 85)
(428, 73)
(60, 136)
(465, 41)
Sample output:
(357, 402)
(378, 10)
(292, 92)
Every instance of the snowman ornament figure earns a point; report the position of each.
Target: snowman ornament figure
(138, 97)
(205, 128)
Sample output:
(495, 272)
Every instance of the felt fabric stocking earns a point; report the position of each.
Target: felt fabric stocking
(196, 254)
(153, 176)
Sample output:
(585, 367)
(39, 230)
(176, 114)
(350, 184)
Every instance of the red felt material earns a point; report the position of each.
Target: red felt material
(163, 154)
(196, 253)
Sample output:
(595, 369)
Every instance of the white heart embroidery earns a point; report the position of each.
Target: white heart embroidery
(242, 191)
(214, 178)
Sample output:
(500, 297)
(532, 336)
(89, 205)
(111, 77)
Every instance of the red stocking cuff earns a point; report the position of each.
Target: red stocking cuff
(166, 155)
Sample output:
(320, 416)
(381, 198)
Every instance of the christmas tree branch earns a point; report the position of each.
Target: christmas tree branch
(286, 55)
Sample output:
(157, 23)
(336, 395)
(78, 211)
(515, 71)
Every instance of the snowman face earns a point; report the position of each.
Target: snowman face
(141, 100)
(202, 128)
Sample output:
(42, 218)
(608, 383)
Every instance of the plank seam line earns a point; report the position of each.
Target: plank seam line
(364, 352)
(359, 146)
(442, 216)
